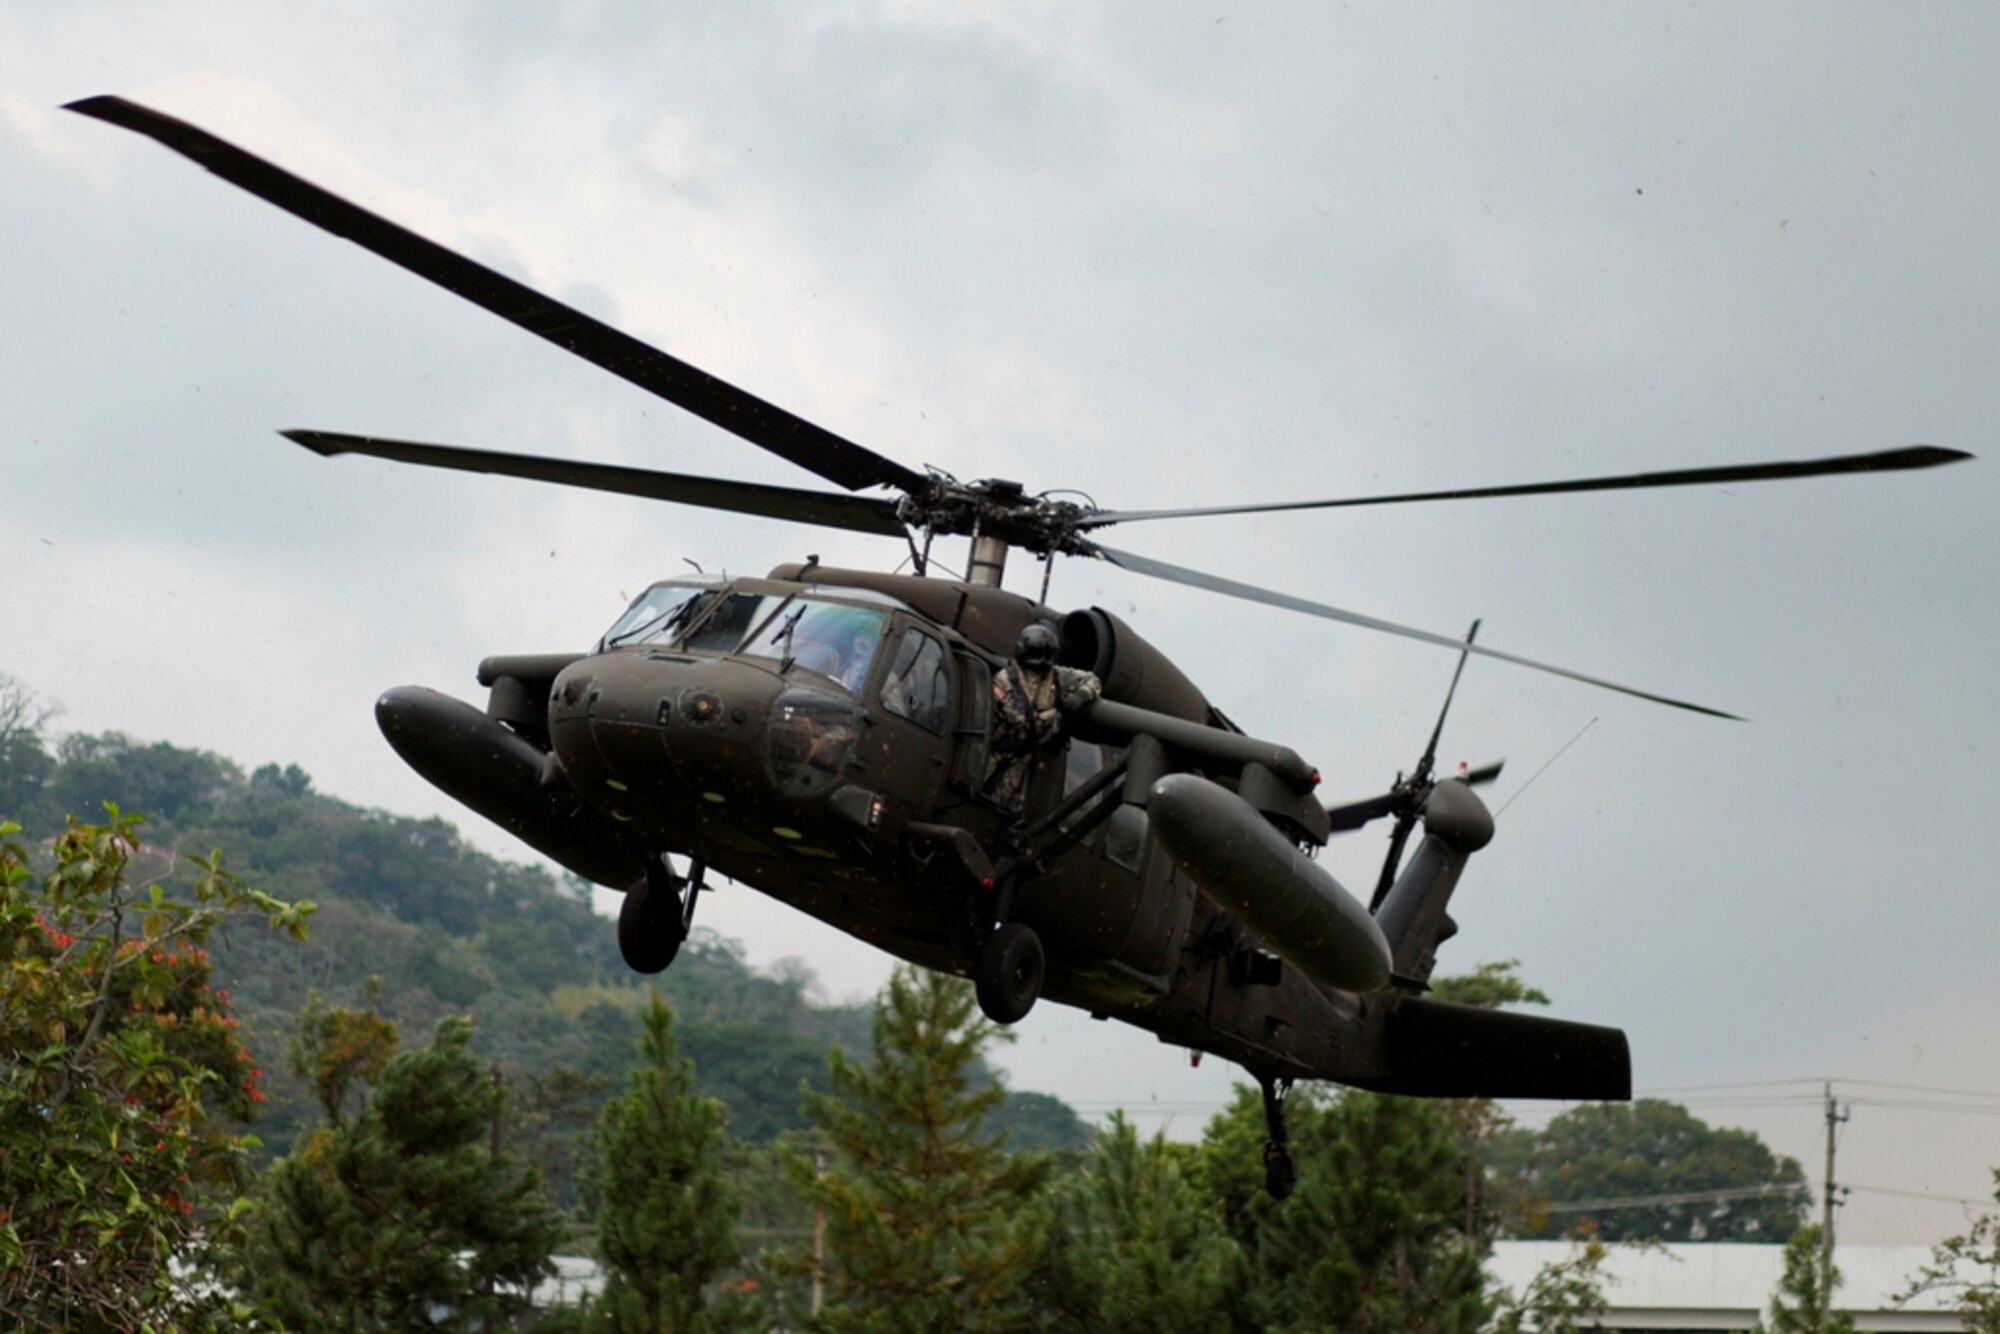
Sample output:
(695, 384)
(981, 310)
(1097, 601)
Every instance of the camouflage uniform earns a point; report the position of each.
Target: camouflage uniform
(1030, 707)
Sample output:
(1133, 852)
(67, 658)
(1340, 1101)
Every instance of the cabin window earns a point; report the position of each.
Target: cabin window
(918, 686)
(1080, 764)
(975, 703)
(1125, 836)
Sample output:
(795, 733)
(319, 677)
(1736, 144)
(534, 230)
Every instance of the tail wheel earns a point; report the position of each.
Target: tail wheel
(1008, 976)
(651, 922)
(1281, 1174)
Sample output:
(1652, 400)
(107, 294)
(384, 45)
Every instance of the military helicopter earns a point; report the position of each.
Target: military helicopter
(826, 736)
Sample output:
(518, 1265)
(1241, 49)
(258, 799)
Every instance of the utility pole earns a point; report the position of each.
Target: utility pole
(1834, 1117)
(819, 1239)
(492, 1151)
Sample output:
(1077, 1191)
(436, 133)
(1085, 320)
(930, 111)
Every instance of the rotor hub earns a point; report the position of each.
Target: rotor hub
(995, 508)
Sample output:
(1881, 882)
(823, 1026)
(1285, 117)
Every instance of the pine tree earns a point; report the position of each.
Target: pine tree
(1371, 1239)
(1135, 1244)
(1803, 1303)
(930, 1225)
(666, 1217)
(403, 1217)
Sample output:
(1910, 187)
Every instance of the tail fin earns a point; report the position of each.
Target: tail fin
(1412, 914)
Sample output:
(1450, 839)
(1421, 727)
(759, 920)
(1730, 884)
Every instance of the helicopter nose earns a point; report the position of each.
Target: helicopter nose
(658, 740)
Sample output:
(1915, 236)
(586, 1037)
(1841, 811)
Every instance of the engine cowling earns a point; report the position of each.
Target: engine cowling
(1132, 670)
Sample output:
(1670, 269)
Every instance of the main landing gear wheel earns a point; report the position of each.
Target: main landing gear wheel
(655, 917)
(1008, 974)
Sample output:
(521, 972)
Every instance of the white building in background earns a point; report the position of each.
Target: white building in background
(1728, 1285)
(1678, 1289)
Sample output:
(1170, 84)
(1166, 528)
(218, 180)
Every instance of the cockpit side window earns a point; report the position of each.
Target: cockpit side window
(918, 686)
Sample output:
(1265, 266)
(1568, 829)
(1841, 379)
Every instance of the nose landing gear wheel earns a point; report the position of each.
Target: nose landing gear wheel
(653, 921)
(1008, 973)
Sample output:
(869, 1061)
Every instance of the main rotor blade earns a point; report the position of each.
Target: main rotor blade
(1250, 592)
(1888, 460)
(830, 509)
(763, 424)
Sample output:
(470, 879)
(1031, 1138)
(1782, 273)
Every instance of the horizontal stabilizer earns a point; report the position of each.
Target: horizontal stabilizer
(1439, 1050)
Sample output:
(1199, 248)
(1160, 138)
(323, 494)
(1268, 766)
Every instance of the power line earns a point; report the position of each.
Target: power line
(1677, 1197)
(1913, 1105)
(1920, 1195)
(1817, 1079)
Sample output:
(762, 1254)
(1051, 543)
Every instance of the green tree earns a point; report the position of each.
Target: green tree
(1489, 986)
(1039, 1121)
(403, 1218)
(334, 1050)
(1967, 1268)
(552, 1122)
(1490, 1201)
(1803, 1303)
(1564, 1297)
(123, 1084)
(1135, 1244)
(1372, 1238)
(1652, 1147)
(25, 761)
(666, 1216)
(930, 1225)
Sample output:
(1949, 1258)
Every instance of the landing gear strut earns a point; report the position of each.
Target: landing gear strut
(1281, 1174)
(657, 914)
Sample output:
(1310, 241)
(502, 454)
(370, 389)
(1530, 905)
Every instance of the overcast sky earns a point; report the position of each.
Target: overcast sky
(1165, 255)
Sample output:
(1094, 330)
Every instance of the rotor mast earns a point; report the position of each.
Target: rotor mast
(989, 560)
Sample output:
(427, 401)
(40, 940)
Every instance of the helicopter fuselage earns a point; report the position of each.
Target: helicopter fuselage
(823, 736)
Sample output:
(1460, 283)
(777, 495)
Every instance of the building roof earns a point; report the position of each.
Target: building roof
(1728, 1285)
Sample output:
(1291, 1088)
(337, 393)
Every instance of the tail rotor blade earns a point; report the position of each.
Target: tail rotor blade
(1484, 774)
(1355, 814)
(1430, 751)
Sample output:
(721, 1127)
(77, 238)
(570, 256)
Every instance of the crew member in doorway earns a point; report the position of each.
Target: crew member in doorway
(1032, 701)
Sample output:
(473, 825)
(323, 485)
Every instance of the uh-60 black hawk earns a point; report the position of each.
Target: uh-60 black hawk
(826, 736)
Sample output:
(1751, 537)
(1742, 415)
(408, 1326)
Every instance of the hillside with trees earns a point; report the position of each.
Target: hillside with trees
(416, 925)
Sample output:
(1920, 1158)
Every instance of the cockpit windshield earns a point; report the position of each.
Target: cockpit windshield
(660, 612)
(830, 638)
(836, 639)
